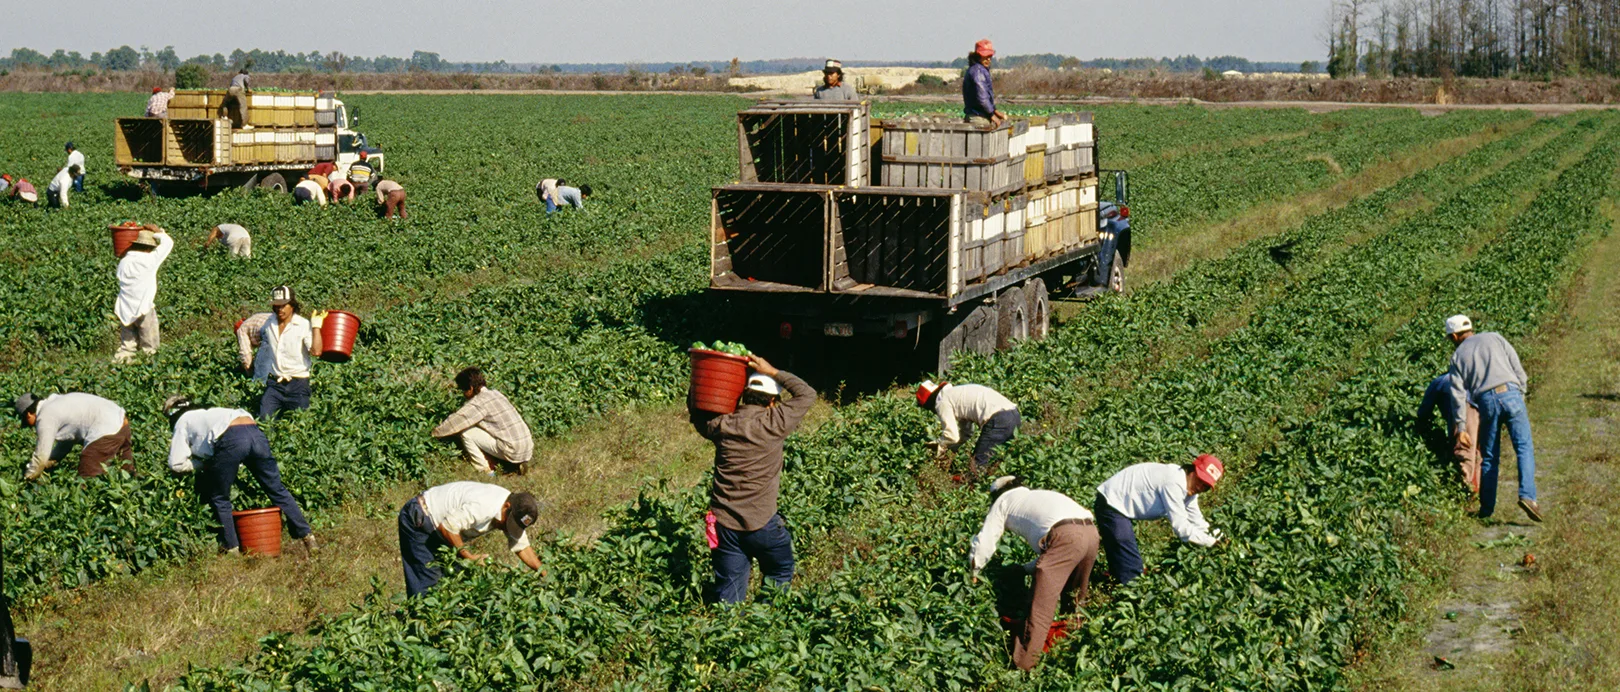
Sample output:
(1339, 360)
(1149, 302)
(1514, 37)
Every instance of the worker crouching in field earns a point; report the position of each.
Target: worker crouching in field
(339, 189)
(1486, 371)
(1463, 447)
(972, 404)
(18, 188)
(1152, 491)
(1064, 538)
(556, 193)
(136, 308)
(287, 340)
(216, 442)
(56, 193)
(63, 420)
(235, 237)
(491, 431)
(454, 513)
(391, 197)
(742, 521)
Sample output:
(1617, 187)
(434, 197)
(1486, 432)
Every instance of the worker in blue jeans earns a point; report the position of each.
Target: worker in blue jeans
(1144, 492)
(1486, 370)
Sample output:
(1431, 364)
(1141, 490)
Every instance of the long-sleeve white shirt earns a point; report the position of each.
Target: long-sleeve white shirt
(74, 417)
(75, 157)
(286, 351)
(195, 433)
(1152, 491)
(470, 509)
(1026, 512)
(137, 279)
(248, 342)
(966, 403)
(59, 187)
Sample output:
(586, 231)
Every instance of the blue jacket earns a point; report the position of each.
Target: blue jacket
(978, 98)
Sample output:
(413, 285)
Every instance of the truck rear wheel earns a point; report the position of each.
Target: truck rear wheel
(1040, 309)
(1012, 324)
(1116, 274)
(273, 182)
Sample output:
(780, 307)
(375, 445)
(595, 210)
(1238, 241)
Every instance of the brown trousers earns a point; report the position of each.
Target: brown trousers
(94, 457)
(1067, 555)
(395, 203)
(1468, 455)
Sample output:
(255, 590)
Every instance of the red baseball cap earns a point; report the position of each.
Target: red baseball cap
(1209, 469)
(156, 89)
(984, 47)
(926, 390)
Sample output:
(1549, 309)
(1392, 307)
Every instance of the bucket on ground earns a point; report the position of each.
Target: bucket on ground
(259, 530)
(123, 235)
(718, 380)
(338, 331)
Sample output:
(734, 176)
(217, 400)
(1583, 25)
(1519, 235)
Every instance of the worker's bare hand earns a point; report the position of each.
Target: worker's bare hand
(1464, 439)
(476, 557)
(762, 366)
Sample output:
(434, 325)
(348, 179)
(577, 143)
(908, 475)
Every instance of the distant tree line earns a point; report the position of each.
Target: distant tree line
(1473, 38)
(1184, 63)
(125, 58)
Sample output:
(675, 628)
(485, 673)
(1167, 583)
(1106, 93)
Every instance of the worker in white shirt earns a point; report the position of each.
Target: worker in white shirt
(56, 193)
(1153, 491)
(309, 191)
(454, 513)
(136, 308)
(236, 239)
(1064, 538)
(221, 441)
(75, 158)
(972, 404)
(247, 345)
(288, 340)
(63, 420)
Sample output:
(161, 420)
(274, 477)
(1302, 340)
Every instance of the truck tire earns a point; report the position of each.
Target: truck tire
(1040, 309)
(1012, 323)
(981, 326)
(1114, 280)
(273, 182)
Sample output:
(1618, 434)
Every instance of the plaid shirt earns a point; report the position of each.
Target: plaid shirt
(490, 410)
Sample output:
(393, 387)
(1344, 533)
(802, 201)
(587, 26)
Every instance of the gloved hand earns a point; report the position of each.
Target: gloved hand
(35, 470)
(1217, 534)
(316, 319)
(939, 449)
(1205, 540)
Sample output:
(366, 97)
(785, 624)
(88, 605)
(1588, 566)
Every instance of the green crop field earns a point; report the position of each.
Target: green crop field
(1301, 372)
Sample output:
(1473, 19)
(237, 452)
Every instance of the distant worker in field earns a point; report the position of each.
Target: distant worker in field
(1152, 491)
(236, 239)
(158, 105)
(5, 185)
(360, 173)
(391, 196)
(455, 513)
(239, 99)
(253, 359)
(832, 86)
(56, 193)
(1064, 537)
(136, 307)
(1464, 448)
(978, 96)
(971, 404)
(1485, 370)
(75, 418)
(288, 340)
(492, 433)
(555, 192)
(309, 190)
(19, 188)
(743, 524)
(75, 158)
(216, 443)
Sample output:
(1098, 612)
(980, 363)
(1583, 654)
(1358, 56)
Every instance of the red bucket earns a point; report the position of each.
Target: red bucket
(259, 530)
(337, 336)
(718, 380)
(123, 235)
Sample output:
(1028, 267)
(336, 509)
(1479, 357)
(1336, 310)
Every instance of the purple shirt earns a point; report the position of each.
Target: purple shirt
(978, 98)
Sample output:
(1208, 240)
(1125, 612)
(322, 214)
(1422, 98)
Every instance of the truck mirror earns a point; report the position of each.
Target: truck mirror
(354, 116)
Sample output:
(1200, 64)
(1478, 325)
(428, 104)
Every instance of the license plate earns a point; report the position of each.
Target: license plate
(838, 329)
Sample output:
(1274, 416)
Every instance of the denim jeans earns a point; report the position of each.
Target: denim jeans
(418, 538)
(772, 545)
(992, 434)
(1118, 541)
(291, 395)
(245, 445)
(1495, 411)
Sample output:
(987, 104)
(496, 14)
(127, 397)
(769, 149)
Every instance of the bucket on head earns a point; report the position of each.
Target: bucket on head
(123, 235)
(718, 380)
(259, 530)
(338, 331)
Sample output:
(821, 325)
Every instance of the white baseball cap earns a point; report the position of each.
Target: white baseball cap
(764, 385)
(1457, 324)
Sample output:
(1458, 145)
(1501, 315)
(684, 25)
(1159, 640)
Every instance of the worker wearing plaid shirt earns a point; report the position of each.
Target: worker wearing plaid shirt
(490, 429)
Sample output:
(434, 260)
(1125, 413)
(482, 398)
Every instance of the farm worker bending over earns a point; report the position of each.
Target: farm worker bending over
(391, 196)
(5, 185)
(236, 239)
(158, 105)
(491, 431)
(1152, 491)
(1485, 370)
(19, 188)
(75, 158)
(743, 523)
(555, 192)
(339, 189)
(1463, 448)
(63, 420)
(309, 190)
(978, 96)
(973, 404)
(1064, 538)
(56, 193)
(360, 173)
(137, 292)
(287, 341)
(216, 442)
(254, 359)
(832, 86)
(324, 169)
(454, 513)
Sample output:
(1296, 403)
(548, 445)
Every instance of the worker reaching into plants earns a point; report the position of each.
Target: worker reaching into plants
(216, 443)
(1152, 491)
(235, 236)
(309, 190)
(556, 192)
(21, 189)
(288, 340)
(1485, 370)
(490, 429)
(743, 524)
(978, 95)
(63, 420)
(338, 189)
(1464, 448)
(247, 345)
(391, 197)
(973, 404)
(1064, 538)
(136, 307)
(454, 513)
(56, 193)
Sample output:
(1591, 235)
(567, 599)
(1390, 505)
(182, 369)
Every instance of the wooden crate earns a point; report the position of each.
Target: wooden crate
(1088, 225)
(805, 143)
(947, 154)
(1035, 165)
(904, 242)
(197, 143)
(1035, 223)
(1036, 137)
(325, 118)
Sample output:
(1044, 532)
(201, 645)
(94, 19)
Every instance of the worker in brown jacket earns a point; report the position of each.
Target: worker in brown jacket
(742, 522)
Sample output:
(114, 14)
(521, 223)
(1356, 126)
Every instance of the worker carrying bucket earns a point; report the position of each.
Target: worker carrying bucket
(971, 404)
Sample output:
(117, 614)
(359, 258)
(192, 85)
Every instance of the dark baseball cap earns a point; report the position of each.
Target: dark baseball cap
(25, 403)
(521, 515)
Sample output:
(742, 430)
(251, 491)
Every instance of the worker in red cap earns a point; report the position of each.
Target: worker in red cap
(973, 404)
(360, 173)
(158, 105)
(978, 97)
(1153, 491)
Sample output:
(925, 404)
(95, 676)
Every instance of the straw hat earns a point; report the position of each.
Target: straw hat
(145, 239)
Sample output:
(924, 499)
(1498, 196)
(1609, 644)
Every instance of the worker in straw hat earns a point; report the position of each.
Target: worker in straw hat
(978, 96)
(63, 420)
(1485, 370)
(970, 404)
(454, 513)
(1064, 537)
(742, 522)
(1153, 491)
(136, 307)
(832, 86)
(216, 443)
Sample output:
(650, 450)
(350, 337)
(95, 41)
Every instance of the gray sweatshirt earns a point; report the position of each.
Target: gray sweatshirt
(1482, 362)
(74, 417)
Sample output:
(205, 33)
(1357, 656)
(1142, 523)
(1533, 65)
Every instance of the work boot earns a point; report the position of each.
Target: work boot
(1531, 509)
(310, 550)
(232, 552)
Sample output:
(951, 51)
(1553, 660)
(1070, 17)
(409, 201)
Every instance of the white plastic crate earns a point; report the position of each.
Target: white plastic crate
(305, 102)
(262, 101)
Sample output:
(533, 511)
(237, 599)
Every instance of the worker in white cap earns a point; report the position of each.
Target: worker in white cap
(1486, 372)
(1144, 492)
(832, 86)
(971, 404)
(1064, 537)
(743, 524)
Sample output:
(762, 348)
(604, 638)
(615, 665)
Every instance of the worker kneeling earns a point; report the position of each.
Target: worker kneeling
(454, 513)
(491, 431)
(1152, 491)
(973, 404)
(1064, 538)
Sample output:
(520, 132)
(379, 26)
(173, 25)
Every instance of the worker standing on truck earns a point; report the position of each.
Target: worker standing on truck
(288, 340)
(309, 190)
(743, 524)
(1151, 491)
(1486, 371)
(238, 95)
(391, 196)
(978, 95)
(360, 173)
(236, 239)
(973, 404)
(454, 513)
(1064, 537)
(1464, 448)
(490, 429)
(221, 441)
(56, 194)
(253, 359)
(158, 105)
(136, 307)
(832, 86)
(75, 158)
(63, 420)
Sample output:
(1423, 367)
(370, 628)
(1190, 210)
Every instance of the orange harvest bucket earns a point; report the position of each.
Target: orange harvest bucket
(718, 380)
(123, 235)
(338, 331)
(259, 530)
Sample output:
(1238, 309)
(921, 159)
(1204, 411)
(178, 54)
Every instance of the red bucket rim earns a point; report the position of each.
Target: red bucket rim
(254, 512)
(721, 354)
(126, 226)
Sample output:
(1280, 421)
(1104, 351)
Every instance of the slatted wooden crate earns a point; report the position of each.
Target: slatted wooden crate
(1012, 244)
(1035, 165)
(947, 154)
(902, 241)
(197, 143)
(242, 149)
(770, 237)
(139, 141)
(1036, 245)
(805, 143)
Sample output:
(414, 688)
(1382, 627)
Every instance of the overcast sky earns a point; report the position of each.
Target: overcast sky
(678, 30)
